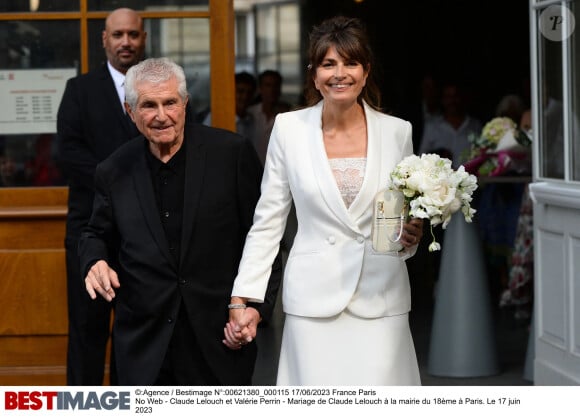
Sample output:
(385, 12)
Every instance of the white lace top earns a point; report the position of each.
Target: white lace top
(349, 174)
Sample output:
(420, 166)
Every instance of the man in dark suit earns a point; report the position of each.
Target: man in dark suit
(91, 124)
(180, 198)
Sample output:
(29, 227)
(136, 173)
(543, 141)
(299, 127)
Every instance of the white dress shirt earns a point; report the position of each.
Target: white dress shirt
(119, 79)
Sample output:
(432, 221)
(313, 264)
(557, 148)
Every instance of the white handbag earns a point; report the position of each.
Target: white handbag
(389, 213)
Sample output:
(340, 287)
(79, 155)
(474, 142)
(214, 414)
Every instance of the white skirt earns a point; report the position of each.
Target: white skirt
(347, 350)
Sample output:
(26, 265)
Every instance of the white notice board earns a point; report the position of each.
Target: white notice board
(29, 99)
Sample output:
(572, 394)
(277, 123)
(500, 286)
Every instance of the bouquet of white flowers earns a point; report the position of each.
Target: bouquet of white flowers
(433, 190)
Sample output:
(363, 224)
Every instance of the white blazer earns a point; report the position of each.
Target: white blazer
(331, 265)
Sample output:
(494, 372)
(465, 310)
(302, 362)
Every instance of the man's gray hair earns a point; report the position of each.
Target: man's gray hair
(153, 70)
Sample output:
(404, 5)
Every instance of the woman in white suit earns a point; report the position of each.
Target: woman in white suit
(346, 305)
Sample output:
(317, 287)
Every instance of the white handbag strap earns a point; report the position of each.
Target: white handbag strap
(400, 229)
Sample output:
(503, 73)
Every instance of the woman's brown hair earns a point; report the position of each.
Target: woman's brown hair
(349, 37)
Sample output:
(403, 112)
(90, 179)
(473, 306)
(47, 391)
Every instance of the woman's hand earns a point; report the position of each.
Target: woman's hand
(412, 233)
(242, 326)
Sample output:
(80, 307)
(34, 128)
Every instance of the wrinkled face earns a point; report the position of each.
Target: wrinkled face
(339, 79)
(124, 39)
(160, 113)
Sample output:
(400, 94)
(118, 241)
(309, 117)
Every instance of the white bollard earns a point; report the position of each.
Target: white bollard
(463, 342)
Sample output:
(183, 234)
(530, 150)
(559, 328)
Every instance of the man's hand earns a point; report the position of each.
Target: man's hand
(102, 279)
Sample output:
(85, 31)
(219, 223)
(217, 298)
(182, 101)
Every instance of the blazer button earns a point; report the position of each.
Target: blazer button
(182, 280)
(360, 239)
(169, 320)
(331, 240)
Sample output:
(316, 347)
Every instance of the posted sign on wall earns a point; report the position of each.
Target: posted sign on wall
(29, 99)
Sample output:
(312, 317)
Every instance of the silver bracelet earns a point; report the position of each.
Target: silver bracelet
(237, 306)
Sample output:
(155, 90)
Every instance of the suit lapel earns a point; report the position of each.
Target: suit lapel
(194, 171)
(323, 172)
(146, 196)
(112, 98)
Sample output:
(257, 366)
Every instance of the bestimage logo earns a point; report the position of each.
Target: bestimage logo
(63, 400)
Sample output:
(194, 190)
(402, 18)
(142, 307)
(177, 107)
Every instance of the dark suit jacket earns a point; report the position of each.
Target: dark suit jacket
(91, 124)
(222, 186)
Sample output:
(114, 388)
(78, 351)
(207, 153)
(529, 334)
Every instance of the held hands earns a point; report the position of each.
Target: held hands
(412, 233)
(242, 326)
(102, 279)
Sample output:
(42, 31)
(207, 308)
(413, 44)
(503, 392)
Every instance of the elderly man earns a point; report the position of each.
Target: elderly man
(180, 199)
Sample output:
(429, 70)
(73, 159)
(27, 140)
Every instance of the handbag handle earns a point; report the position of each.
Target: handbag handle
(400, 229)
(381, 212)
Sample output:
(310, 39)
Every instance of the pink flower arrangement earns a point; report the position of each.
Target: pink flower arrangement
(500, 147)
